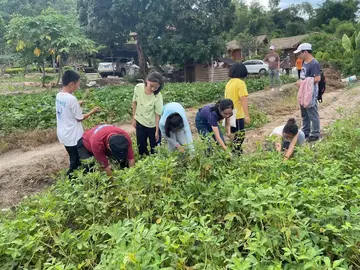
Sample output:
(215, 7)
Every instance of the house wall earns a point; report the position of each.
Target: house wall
(202, 73)
(220, 74)
(189, 73)
(235, 54)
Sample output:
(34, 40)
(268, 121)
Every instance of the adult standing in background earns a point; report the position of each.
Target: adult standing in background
(273, 60)
(299, 63)
(286, 64)
(310, 68)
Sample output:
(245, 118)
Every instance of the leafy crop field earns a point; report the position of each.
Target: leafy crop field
(37, 111)
(170, 212)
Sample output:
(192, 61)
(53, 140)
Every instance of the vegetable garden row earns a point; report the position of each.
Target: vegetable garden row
(37, 111)
(208, 212)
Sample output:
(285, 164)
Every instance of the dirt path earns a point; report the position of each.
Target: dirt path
(25, 173)
(328, 110)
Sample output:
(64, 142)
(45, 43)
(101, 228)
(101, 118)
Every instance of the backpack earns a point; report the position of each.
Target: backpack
(322, 86)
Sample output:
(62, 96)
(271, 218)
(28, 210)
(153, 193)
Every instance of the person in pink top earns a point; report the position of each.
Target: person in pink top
(106, 141)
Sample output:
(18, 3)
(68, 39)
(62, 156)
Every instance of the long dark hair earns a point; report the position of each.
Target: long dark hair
(291, 127)
(222, 105)
(158, 78)
(173, 122)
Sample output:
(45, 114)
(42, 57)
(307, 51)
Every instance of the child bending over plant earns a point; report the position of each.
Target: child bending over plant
(287, 137)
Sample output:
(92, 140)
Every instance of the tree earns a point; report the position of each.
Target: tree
(347, 28)
(349, 45)
(98, 18)
(167, 30)
(306, 9)
(2, 34)
(248, 44)
(46, 36)
(241, 21)
(325, 42)
(352, 47)
(344, 10)
(288, 21)
(259, 21)
(34, 7)
(274, 5)
(295, 28)
(255, 20)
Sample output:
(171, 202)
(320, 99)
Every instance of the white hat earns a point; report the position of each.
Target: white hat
(303, 47)
(272, 47)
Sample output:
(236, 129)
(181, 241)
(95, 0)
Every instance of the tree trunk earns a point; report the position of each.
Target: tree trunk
(60, 71)
(54, 62)
(141, 57)
(212, 69)
(44, 73)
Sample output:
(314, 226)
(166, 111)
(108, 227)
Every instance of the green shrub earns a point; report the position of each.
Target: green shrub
(14, 70)
(68, 68)
(48, 79)
(50, 70)
(326, 56)
(115, 102)
(319, 55)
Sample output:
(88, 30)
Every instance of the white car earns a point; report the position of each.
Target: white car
(256, 67)
(119, 67)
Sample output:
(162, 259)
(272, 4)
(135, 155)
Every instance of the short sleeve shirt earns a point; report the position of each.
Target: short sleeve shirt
(211, 116)
(310, 69)
(68, 118)
(147, 106)
(234, 90)
(279, 131)
(299, 63)
(272, 59)
(96, 141)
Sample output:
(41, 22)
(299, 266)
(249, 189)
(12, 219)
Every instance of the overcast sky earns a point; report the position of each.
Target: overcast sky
(286, 3)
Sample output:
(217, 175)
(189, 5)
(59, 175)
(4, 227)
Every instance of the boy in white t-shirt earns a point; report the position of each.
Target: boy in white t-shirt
(69, 116)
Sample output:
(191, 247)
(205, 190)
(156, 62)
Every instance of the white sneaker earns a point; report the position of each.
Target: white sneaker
(280, 89)
(272, 89)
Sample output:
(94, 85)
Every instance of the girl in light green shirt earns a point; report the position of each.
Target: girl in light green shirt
(146, 109)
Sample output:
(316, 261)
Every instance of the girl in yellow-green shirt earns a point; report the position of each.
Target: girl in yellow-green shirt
(146, 109)
(236, 90)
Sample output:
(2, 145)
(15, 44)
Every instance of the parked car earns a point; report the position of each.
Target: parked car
(119, 67)
(256, 67)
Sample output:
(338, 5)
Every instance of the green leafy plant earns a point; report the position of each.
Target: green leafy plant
(37, 111)
(202, 212)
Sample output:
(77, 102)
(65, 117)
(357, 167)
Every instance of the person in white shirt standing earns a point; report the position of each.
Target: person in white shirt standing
(69, 116)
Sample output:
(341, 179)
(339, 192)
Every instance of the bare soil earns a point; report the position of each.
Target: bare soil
(23, 173)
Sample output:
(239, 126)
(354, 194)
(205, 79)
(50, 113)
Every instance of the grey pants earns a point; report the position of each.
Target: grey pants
(274, 76)
(311, 121)
(178, 136)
